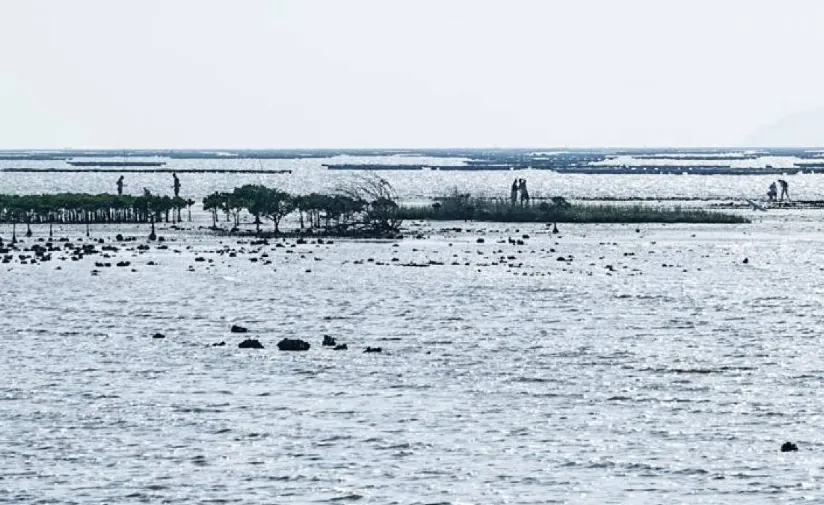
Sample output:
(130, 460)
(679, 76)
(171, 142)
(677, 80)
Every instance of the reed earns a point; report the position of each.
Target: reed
(466, 208)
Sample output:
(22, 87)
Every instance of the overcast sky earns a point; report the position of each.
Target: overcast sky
(417, 73)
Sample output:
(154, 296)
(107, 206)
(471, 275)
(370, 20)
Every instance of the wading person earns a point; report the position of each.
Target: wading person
(120, 186)
(176, 184)
(524, 192)
(784, 190)
(513, 194)
(772, 192)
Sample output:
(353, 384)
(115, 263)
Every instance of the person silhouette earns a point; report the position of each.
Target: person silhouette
(513, 194)
(120, 186)
(772, 192)
(784, 190)
(176, 185)
(524, 192)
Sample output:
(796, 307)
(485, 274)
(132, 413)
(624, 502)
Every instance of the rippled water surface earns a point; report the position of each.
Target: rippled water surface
(651, 365)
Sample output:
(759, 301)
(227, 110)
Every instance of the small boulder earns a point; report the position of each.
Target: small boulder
(238, 329)
(789, 447)
(341, 347)
(288, 344)
(158, 335)
(250, 343)
(219, 344)
(373, 349)
(746, 260)
(329, 341)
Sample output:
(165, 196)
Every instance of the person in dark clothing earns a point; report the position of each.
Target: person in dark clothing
(176, 185)
(524, 192)
(513, 194)
(784, 190)
(120, 186)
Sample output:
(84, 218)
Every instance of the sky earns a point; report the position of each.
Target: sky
(410, 73)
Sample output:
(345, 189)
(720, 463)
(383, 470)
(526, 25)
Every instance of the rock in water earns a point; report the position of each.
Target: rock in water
(238, 329)
(788, 447)
(374, 349)
(250, 343)
(329, 341)
(288, 344)
(158, 335)
(341, 347)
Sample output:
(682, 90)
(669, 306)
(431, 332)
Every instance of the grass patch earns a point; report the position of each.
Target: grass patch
(466, 208)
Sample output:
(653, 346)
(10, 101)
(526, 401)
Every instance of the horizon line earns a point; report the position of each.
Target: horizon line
(430, 148)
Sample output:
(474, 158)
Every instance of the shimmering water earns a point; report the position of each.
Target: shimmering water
(651, 366)
(310, 175)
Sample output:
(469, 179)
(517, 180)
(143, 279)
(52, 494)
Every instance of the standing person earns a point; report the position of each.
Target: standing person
(513, 194)
(176, 185)
(772, 193)
(120, 186)
(524, 193)
(784, 190)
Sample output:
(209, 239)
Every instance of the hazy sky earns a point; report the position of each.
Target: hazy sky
(385, 73)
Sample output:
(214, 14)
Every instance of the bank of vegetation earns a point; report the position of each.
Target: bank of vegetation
(81, 208)
(365, 207)
(466, 208)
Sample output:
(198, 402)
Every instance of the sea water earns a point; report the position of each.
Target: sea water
(636, 364)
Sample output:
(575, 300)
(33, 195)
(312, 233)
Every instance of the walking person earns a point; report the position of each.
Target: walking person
(513, 194)
(524, 193)
(784, 190)
(120, 186)
(176, 185)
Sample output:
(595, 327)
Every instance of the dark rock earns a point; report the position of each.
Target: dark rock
(373, 349)
(238, 329)
(118, 237)
(288, 344)
(219, 344)
(341, 347)
(329, 341)
(746, 260)
(123, 263)
(250, 343)
(158, 335)
(788, 447)
(480, 241)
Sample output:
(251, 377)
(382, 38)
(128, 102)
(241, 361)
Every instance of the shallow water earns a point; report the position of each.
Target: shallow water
(654, 367)
(309, 175)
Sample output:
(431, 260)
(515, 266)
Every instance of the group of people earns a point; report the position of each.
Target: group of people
(772, 193)
(175, 186)
(519, 188)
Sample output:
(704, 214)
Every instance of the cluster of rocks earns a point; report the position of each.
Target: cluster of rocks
(286, 344)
